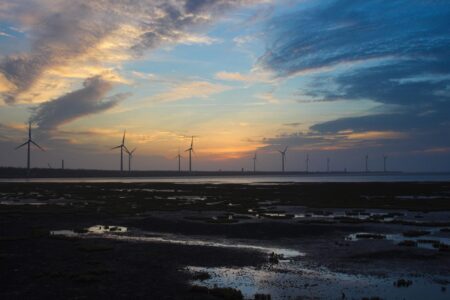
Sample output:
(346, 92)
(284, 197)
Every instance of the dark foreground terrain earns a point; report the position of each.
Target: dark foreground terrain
(200, 241)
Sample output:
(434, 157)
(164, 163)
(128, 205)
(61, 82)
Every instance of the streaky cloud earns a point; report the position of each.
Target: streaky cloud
(61, 33)
(395, 53)
(90, 99)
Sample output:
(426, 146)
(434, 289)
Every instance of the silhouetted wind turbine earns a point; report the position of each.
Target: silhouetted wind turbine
(28, 143)
(130, 156)
(367, 163)
(191, 150)
(121, 146)
(179, 160)
(384, 163)
(283, 157)
(254, 163)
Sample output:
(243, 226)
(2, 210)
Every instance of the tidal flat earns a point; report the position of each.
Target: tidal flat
(225, 241)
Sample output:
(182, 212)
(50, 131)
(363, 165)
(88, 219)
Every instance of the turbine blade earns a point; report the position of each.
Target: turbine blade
(42, 149)
(132, 151)
(21, 145)
(126, 149)
(285, 149)
(123, 138)
(116, 147)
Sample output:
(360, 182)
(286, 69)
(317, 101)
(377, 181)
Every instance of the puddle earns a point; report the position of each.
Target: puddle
(22, 202)
(356, 215)
(116, 233)
(292, 281)
(430, 240)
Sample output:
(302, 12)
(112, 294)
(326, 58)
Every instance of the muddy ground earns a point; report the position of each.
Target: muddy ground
(313, 218)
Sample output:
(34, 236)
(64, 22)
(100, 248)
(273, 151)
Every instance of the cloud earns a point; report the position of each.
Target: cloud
(269, 97)
(294, 124)
(232, 76)
(96, 36)
(340, 31)
(255, 76)
(394, 53)
(91, 98)
(189, 90)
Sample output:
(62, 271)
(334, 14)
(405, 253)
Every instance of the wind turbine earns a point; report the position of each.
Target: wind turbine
(191, 150)
(121, 146)
(283, 157)
(130, 156)
(179, 160)
(254, 163)
(28, 143)
(384, 163)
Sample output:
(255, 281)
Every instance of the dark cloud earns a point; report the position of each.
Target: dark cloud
(342, 31)
(91, 98)
(395, 52)
(295, 124)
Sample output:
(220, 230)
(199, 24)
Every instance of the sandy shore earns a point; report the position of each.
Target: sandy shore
(171, 230)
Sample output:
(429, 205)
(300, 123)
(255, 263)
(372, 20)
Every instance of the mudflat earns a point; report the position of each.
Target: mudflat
(224, 241)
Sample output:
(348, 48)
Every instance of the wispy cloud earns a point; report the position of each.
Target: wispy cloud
(370, 50)
(255, 76)
(189, 90)
(69, 38)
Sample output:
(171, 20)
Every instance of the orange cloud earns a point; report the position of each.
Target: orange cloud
(376, 135)
(188, 90)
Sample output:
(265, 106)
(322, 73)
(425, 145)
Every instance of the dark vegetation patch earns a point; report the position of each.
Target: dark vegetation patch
(403, 283)
(415, 233)
(373, 236)
(408, 243)
(220, 293)
(201, 276)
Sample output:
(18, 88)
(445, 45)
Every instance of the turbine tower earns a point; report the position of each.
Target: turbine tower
(254, 163)
(179, 160)
(367, 163)
(121, 146)
(28, 143)
(130, 156)
(307, 163)
(384, 163)
(191, 150)
(283, 157)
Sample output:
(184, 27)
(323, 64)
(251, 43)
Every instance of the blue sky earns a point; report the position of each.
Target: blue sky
(328, 78)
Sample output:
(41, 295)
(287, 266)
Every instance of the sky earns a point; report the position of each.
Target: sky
(337, 79)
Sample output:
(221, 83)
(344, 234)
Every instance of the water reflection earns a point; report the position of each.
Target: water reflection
(292, 280)
(433, 239)
(249, 179)
(116, 233)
